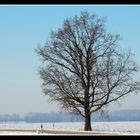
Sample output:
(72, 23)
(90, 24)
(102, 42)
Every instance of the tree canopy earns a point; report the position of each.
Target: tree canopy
(84, 67)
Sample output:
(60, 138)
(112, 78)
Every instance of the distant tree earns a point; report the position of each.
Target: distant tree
(84, 69)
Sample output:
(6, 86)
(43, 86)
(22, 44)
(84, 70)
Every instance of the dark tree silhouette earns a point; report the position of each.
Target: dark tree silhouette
(84, 69)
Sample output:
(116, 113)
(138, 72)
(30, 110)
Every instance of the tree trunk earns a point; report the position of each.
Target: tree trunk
(87, 121)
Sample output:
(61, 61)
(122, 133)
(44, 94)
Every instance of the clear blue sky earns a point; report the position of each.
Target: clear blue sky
(22, 28)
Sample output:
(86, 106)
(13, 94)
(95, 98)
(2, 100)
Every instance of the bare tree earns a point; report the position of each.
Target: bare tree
(84, 69)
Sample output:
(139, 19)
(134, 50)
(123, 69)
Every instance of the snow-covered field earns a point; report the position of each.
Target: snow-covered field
(111, 127)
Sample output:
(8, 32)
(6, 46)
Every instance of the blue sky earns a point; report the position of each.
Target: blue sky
(22, 28)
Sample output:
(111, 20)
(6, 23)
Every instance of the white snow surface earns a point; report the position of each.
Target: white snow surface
(123, 128)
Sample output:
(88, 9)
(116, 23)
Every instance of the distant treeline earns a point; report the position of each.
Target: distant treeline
(124, 115)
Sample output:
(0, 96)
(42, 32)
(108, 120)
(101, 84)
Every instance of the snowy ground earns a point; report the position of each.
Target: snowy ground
(71, 128)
